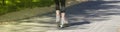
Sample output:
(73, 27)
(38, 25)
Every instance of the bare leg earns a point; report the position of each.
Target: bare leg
(64, 22)
(63, 19)
(57, 16)
(57, 10)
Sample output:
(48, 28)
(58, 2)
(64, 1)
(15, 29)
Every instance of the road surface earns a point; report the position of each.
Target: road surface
(92, 16)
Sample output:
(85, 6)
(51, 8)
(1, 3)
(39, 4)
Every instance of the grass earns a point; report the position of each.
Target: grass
(25, 13)
(12, 6)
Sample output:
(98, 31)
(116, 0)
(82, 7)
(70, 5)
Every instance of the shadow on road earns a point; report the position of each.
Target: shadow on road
(86, 12)
(89, 11)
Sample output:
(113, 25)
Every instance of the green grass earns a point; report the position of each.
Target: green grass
(11, 6)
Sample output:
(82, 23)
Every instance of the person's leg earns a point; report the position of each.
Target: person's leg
(57, 3)
(63, 18)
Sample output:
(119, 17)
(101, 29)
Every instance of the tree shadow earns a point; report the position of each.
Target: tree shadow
(85, 13)
(82, 10)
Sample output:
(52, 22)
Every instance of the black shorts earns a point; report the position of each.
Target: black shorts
(60, 5)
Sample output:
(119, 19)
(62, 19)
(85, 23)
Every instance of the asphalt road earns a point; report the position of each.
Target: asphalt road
(93, 16)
